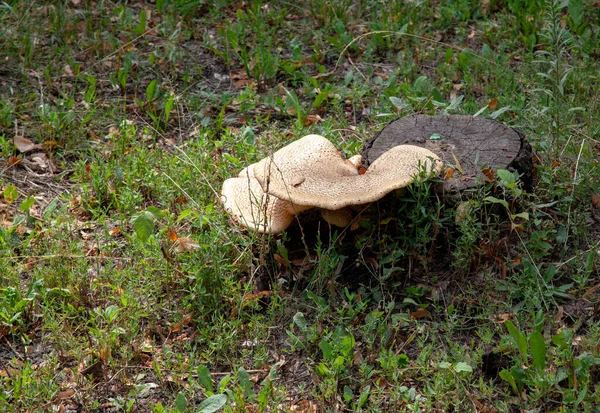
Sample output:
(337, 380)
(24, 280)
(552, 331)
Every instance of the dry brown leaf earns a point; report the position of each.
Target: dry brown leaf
(420, 313)
(559, 315)
(280, 260)
(67, 71)
(484, 6)
(23, 144)
(96, 370)
(596, 201)
(489, 174)
(312, 119)
(254, 297)
(172, 234)
(503, 318)
(482, 408)
(304, 406)
(65, 394)
(591, 291)
(241, 83)
(13, 160)
(458, 165)
(186, 244)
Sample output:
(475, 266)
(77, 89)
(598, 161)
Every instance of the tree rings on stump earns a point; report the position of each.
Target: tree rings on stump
(474, 145)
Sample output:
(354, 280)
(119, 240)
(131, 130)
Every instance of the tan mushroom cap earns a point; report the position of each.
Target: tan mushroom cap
(355, 160)
(339, 217)
(312, 172)
(245, 200)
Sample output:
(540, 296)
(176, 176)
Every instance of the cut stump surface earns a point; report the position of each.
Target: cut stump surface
(463, 142)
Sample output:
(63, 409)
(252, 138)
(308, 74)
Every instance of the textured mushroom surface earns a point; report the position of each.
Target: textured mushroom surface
(312, 172)
(245, 200)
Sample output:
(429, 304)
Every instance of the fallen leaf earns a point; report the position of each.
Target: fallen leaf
(420, 313)
(67, 71)
(559, 315)
(280, 260)
(13, 160)
(254, 297)
(484, 6)
(186, 244)
(23, 144)
(241, 83)
(172, 235)
(482, 408)
(312, 120)
(304, 406)
(40, 159)
(65, 394)
(596, 201)
(489, 174)
(492, 105)
(591, 291)
(458, 166)
(503, 318)
(96, 371)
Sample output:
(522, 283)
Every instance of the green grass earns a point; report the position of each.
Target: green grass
(125, 286)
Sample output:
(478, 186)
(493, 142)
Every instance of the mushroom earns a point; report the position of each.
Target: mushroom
(339, 217)
(245, 200)
(311, 172)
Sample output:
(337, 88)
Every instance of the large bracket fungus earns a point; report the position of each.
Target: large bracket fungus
(312, 173)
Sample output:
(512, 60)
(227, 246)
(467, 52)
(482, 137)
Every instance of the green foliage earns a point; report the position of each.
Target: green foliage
(15, 307)
(533, 374)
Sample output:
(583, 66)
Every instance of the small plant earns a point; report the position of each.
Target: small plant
(542, 368)
(15, 307)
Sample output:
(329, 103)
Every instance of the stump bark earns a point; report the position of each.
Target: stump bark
(463, 142)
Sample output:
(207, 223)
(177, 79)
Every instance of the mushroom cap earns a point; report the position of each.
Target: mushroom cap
(245, 200)
(355, 160)
(312, 172)
(339, 217)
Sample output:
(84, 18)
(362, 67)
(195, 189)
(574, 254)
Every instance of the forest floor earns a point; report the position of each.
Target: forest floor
(125, 286)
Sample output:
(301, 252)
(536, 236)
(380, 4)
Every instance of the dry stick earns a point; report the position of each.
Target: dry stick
(19, 355)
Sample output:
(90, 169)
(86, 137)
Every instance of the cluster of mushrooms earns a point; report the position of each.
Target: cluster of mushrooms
(311, 173)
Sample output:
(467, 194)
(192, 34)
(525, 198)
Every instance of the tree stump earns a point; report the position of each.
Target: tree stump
(463, 142)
